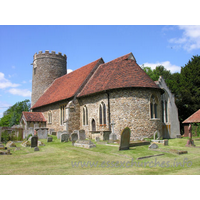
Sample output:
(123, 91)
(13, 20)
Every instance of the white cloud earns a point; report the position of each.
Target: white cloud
(190, 38)
(4, 83)
(20, 92)
(69, 70)
(24, 82)
(166, 64)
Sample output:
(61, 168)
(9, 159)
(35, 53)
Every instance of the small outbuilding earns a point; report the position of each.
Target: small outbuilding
(195, 118)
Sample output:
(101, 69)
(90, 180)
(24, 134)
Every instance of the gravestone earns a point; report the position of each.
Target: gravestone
(42, 133)
(50, 131)
(26, 143)
(34, 141)
(58, 134)
(106, 135)
(81, 135)
(53, 133)
(64, 137)
(153, 146)
(112, 136)
(84, 143)
(1, 146)
(10, 144)
(125, 139)
(40, 143)
(97, 139)
(74, 137)
(36, 149)
(49, 139)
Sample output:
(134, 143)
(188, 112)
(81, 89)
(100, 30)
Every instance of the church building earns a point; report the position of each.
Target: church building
(98, 94)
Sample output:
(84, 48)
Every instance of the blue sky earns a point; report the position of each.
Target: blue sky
(152, 45)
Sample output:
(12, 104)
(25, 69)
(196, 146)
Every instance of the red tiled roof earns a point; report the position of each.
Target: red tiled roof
(122, 72)
(66, 86)
(193, 118)
(34, 116)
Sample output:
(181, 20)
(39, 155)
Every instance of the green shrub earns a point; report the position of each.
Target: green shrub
(5, 137)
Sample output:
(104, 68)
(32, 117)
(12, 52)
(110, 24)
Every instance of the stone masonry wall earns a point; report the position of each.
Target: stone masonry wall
(131, 108)
(128, 108)
(46, 68)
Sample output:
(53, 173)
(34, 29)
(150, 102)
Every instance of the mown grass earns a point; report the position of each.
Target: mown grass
(56, 158)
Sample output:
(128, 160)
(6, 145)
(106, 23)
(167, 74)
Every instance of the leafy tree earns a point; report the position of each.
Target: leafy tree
(13, 114)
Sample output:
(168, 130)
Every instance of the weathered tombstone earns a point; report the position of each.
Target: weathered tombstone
(97, 139)
(64, 137)
(106, 135)
(34, 141)
(58, 134)
(40, 143)
(50, 131)
(153, 146)
(125, 139)
(36, 149)
(112, 136)
(10, 144)
(74, 137)
(53, 133)
(42, 133)
(49, 139)
(26, 143)
(84, 143)
(81, 135)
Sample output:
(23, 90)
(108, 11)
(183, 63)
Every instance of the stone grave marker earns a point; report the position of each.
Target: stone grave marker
(125, 139)
(153, 146)
(42, 133)
(10, 144)
(58, 134)
(81, 135)
(36, 149)
(113, 136)
(74, 137)
(64, 137)
(97, 139)
(50, 131)
(84, 143)
(26, 143)
(40, 143)
(53, 133)
(34, 141)
(49, 139)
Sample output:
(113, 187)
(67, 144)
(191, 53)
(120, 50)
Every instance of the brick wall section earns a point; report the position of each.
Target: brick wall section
(128, 108)
(46, 68)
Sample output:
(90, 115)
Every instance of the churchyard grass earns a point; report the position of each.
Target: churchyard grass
(56, 158)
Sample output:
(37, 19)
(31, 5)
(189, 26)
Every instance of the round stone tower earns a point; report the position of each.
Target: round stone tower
(46, 68)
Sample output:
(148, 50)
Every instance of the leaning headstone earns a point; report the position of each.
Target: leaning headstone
(26, 143)
(81, 135)
(58, 134)
(10, 144)
(64, 137)
(125, 139)
(74, 137)
(42, 133)
(34, 141)
(36, 149)
(153, 146)
(49, 139)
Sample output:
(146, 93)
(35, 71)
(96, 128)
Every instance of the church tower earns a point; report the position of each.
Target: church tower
(46, 68)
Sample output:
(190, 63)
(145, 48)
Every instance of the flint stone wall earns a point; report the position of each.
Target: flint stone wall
(128, 108)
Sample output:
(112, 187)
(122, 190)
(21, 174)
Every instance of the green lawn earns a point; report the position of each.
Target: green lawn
(56, 158)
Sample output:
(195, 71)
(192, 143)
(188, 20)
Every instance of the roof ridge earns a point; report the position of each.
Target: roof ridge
(118, 58)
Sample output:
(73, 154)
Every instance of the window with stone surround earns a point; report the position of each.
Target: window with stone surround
(85, 115)
(62, 114)
(154, 107)
(50, 117)
(102, 114)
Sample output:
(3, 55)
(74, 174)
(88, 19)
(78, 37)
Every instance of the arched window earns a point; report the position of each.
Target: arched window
(102, 114)
(154, 107)
(49, 117)
(85, 115)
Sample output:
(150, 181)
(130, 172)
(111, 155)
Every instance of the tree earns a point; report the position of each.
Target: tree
(13, 114)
